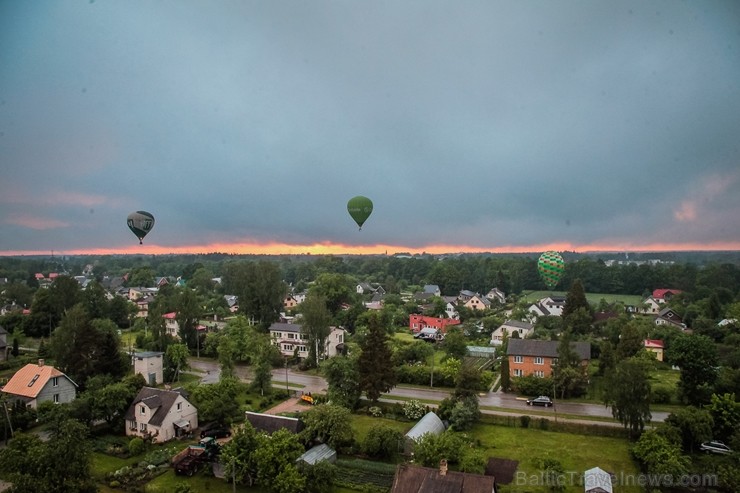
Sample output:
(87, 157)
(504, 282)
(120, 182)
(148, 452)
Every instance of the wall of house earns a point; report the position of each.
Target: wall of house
(145, 366)
(65, 390)
(529, 367)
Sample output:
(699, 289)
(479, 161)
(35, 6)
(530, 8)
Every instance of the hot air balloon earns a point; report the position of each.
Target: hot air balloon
(140, 223)
(360, 209)
(551, 267)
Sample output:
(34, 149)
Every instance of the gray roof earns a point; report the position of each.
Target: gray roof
(319, 453)
(161, 400)
(517, 323)
(270, 423)
(430, 423)
(148, 354)
(533, 347)
(596, 480)
(283, 327)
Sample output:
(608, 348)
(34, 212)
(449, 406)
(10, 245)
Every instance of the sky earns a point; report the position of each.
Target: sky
(491, 126)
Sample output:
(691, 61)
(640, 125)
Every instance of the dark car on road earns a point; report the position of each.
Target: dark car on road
(215, 431)
(715, 447)
(542, 400)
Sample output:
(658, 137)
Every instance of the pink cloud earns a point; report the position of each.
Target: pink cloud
(687, 211)
(34, 222)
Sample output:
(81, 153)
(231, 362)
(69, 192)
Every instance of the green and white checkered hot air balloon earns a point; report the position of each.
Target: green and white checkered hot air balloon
(140, 223)
(551, 267)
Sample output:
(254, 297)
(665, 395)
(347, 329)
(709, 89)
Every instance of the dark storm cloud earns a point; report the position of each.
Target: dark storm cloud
(474, 123)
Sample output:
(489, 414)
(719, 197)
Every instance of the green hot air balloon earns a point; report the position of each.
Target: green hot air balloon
(551, 267)
(140, 223)
(360, 209)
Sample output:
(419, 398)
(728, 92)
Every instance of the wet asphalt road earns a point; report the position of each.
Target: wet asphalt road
(209, 372)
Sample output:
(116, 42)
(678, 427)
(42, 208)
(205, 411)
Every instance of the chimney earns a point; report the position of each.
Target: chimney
(443, 467)
(41, 362)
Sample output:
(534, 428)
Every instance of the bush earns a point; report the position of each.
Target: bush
(413, 410)
(524, 421)
(375, 411)
(662, 394)
(136, 446)
(382, 442)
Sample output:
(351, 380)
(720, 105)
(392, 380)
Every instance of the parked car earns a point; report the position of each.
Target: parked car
(715, 447)
(542, 400)
(215, 431)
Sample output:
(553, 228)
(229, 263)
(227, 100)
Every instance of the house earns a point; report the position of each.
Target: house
(668, 316)
(654, 346)
(665, 295)
(464, 295)
(410, 478)
(418, 322)
(149, 364)
(367, 288)
(142, 305)
(534, 357)
(271, 423)
(289, 338)
(495, 295)
(451, 311)
(597, 480)
(429, 423)
(651, 306)
(161, 415)
(432, 289)
(551, 306)
(509, 328)
(171, 326)
(478, 302)
(36, 383)
(289, 302)
(137, 293)
(233, 302)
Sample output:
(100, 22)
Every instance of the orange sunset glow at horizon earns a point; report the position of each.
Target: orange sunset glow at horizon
(380, 249)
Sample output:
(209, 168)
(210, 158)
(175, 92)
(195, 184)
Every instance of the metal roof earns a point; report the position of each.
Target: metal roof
(319, 453)
(430, 423)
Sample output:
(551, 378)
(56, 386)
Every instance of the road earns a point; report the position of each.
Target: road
(507, 404)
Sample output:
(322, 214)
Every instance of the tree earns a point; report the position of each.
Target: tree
(696, 355)
(429, 449)
(329, 424)
(83, 348)
(382, 442)
(188, 311)
(376, 374)
(315, 324)
(236, 454)
(217, 402)
(660, 456)
(630, 341)
(175, 360)
(725, 412)
(336, 288)
(455, 344)
(693, 424)
(60, 465)
(260, 289)
(575, 300)
(343, 379)
(274, 454)
(607, 358)
(628, 394)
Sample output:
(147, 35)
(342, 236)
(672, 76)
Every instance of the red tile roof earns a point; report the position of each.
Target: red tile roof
(659, 294)
(29, 380)
(171, 315)
(653, 343)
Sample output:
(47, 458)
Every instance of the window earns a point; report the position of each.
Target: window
(539, 360)
(56, 398)
(287, 347)
(179, 406)
(518, 359)
(132, 425)
(518, 373)
(539, 373)
(142, 409)
(291, 336)
(302, 349)
(55, 382)
(142, 427)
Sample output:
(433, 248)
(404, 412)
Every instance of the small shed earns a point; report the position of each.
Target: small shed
(597, 480)
(319, 453)
(270, 423)
(430, 423)
(149, 364)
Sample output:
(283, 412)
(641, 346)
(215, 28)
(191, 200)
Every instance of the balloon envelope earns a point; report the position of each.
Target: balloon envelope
(360, 209)
(140, 223)
(551, 267)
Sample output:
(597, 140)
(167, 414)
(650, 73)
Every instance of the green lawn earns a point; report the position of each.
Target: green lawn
(593, 298)
(361, 424)
(576, 453)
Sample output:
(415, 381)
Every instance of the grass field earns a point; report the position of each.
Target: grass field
(576, 453)
(593, 298)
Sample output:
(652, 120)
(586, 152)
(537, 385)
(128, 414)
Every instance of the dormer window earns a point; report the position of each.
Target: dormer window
(142, 409)
(33, 380)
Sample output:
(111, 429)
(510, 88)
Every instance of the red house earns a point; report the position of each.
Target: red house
(418, 322)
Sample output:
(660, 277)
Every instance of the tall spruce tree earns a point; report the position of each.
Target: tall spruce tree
(377, 375)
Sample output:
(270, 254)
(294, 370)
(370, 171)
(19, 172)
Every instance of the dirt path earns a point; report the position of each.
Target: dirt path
(292, 405)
